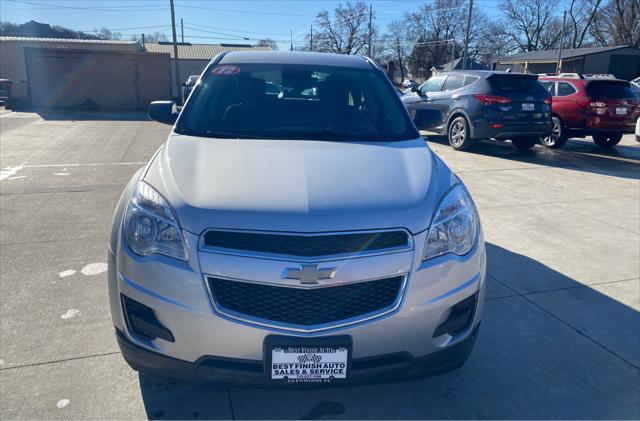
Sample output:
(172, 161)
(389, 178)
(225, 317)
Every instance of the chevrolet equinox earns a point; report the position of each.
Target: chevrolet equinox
(295, 229)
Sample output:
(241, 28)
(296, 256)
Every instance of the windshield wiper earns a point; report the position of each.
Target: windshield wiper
(220, 134)
(315, 134)
(231, 135)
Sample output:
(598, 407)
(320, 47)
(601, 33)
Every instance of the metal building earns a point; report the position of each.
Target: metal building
(193, 58)
(622, 61)
(49, 72)
(52, 72)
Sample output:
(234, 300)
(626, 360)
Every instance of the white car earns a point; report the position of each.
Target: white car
(295, 238)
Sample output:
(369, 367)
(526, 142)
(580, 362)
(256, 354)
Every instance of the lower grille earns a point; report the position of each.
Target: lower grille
(306, 307)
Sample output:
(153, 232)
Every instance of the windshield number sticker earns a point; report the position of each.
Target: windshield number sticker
(225, 70)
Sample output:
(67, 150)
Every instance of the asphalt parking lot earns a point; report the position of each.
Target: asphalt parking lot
(560, 337)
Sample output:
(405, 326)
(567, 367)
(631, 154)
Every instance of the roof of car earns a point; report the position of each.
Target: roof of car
(485, 73)
(584, 81)
(295, 57)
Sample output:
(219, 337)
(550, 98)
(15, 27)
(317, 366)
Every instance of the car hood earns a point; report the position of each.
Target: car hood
(298, 185)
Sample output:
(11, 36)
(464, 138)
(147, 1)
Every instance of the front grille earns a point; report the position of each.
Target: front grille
(306, 245)
(306, 307)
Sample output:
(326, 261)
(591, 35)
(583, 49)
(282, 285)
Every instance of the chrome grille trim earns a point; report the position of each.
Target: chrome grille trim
(257, 322)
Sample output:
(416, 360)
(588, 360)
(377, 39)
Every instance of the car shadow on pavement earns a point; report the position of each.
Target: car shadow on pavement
(92, 115)
(565, 350)
(577, 154)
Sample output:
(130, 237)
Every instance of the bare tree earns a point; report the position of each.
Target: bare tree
(433, 28)
(267, 42)
(580, 17)
(396, 50)
(531, 25)
(485, 39)
(617, 23)
(344, 32)
(154, 37)
(105, 33)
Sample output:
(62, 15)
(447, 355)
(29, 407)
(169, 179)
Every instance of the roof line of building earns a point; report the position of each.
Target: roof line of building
(77, 40)
(522, 56)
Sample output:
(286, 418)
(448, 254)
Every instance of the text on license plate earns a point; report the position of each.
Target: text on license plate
(527, 106)
(309, 363)
(621, 110)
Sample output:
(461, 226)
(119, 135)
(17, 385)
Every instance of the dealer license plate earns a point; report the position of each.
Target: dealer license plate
(621, 110)
(527, 106)
(309, 364)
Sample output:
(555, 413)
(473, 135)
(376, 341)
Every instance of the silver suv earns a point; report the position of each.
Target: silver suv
(292, 236)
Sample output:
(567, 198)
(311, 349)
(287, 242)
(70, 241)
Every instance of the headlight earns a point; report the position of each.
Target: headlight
(151, 225)
(454, 228)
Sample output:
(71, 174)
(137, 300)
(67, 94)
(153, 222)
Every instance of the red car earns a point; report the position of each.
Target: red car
(601, 107)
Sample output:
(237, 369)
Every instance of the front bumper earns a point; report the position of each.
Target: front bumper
(232, 371)
(177, 293)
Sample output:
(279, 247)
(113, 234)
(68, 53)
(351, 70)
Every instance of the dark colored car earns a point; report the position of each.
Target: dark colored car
(602, 108)
(474, 105)
(5, 91)
(187, 87)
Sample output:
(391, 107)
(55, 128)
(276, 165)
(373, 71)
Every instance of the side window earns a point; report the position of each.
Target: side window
(548, 86)
(565, 89)
(468, 80)
(453, 82)
(434, 84)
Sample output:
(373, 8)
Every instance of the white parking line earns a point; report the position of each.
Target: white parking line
(9, 172)
(96, 164)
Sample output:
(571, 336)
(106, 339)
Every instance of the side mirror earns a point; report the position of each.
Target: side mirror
(163, 111)
(415, 89)
(427, 119)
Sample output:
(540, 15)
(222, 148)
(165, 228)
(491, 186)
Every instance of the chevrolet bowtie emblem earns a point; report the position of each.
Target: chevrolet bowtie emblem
(309, 274)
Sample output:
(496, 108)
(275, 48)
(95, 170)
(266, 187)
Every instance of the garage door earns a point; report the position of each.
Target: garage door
(72, 78)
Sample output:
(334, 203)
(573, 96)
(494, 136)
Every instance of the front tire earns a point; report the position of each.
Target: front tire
(558, 136)
(607, 140)
(459, 135)
(524, 142)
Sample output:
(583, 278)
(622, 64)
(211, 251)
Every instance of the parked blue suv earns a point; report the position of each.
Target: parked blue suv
(477, 104)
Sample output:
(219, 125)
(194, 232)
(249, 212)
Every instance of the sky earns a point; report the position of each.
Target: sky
(205, 21)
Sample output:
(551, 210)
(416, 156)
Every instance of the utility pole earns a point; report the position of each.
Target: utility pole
(559, 61)
(182, 30)
(453, 51)
(465, 53)
(142, 40)
(291, 38)
(175, 51)
(400, 61)
(311, 39)
(370, 28)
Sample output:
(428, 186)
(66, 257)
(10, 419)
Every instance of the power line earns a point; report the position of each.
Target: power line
(125, 29)
(215, 33)
(235, 30)
(244, 11)
(95, 9)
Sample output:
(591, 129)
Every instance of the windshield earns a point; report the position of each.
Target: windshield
(284, 101)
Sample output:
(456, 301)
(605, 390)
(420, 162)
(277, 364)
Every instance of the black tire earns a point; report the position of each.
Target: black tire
(607, 140)
(524, 142)
(459, 135)
(557, 138)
